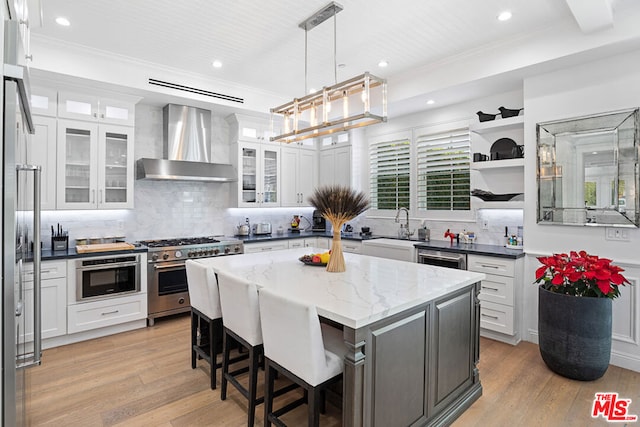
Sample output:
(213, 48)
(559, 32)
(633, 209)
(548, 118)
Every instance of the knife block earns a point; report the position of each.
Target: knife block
(59, 243)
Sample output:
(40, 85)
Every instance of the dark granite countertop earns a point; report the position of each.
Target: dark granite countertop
(299, 235)
(49, 255)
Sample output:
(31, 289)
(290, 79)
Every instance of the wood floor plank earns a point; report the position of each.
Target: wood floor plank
(144, 378)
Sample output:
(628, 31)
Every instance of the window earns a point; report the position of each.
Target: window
(443, 170)
(390, 168)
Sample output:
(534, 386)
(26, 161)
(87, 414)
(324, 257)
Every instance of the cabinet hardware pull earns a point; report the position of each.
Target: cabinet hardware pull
(265, 249)
(489, 266)
(109, 312)
(490, 317)
(28, 57)
(488, 287)
(101, 200)
(93, 196)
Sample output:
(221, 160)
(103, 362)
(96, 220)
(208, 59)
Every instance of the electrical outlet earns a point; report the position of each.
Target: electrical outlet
(485, 224)
(617, 234)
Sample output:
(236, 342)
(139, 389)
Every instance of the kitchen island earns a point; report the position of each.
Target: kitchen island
(412, 330)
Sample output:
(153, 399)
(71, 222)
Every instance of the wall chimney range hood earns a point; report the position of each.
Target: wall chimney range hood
(186, 149)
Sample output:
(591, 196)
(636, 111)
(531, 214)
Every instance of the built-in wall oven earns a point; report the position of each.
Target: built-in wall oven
(107, 275)
(442, 258)
(167, 288)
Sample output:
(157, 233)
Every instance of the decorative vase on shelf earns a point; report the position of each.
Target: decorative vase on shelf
(338, 205)
(575, 313)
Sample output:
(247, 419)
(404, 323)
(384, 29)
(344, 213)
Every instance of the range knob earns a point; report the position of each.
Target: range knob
(190, 254)
(165, 256)
(154, 257)
(216, 251)
(200, 253)
(178, 254)
(210, 251)
(236, 249)
(227, 250)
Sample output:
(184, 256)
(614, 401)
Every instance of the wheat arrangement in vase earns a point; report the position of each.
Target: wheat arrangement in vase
(338, 204)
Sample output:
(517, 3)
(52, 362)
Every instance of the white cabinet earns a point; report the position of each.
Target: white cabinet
(98, 314)
(95, 166)
(258, 182)
(298, 175)
(403, 250)
(251, 129)
(335, 165)
(276, 245)
(41, 150)
(53, 299)
(501, 176)
(499, 296)
(44, 101)
(351, 246)
(96, 109)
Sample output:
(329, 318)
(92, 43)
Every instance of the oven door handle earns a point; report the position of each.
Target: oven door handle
(440, 257)
(108, 266)
(165, 266)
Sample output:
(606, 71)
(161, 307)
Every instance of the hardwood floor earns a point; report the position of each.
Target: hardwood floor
(144, 378)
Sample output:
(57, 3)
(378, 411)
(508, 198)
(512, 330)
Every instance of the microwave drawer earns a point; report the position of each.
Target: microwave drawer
(99, 314)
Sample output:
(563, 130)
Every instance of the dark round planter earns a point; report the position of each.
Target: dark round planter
(574, 334)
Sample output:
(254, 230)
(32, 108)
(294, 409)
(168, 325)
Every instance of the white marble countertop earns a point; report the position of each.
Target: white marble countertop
(370, 289)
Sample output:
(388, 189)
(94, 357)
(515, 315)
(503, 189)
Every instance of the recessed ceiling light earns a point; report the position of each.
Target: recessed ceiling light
(61, 20)
(505, 15)
(216, 64)
(382, 63)
(431, 102)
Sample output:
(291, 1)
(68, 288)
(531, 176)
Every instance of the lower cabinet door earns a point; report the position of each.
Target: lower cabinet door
(109, 312)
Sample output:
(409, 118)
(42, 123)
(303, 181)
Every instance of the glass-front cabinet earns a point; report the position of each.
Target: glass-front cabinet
(258, 183)
(95, 166)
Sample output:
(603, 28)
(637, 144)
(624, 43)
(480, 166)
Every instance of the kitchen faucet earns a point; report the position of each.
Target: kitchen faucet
(406, 234)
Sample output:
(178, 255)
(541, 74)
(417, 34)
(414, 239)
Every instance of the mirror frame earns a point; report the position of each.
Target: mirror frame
(548, 167)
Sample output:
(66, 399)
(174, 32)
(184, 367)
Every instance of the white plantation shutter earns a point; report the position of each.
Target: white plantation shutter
(390, 168)
(443, 170)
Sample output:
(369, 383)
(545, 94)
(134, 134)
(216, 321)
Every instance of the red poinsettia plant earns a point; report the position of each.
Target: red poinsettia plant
(580, 274)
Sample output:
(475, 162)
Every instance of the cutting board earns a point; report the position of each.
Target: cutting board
(104, 247)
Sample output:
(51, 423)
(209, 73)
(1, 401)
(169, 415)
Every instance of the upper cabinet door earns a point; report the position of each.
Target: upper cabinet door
(115, 167)
(41, 151)
(77, 160)
(77, 106)
(95, 109)
(44, 102)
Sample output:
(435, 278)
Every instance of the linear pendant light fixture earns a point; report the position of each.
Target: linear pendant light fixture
(356, 102)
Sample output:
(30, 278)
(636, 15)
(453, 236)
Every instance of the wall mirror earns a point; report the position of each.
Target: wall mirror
(588, 170)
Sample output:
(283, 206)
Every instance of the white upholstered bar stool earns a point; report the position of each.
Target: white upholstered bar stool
(299, 347)
(240, 310)
(206, 315)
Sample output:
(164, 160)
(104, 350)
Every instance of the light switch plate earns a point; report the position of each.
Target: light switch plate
(616, 234)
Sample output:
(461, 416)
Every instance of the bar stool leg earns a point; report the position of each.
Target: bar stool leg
(194, 338)
(268, 391)
(253, 384)
(226, 351)
(212, 353)
(313, 406)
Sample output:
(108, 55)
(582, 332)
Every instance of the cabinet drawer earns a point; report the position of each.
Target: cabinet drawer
(98, 314)
(496, 317)
(491, 265)
(352, 247)
(297, 243)
(498, 289)
(265, 247)
(49, 270)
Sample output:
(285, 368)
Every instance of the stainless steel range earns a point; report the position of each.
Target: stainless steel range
(166, 273)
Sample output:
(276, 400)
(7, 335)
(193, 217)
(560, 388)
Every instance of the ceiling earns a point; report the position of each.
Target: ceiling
(261, 46)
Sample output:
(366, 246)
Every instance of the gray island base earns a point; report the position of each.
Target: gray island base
(412, 331)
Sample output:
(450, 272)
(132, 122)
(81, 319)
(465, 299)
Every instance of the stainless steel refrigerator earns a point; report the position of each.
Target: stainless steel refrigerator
(20, 228)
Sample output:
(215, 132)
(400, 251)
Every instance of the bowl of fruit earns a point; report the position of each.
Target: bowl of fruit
(316, 259)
